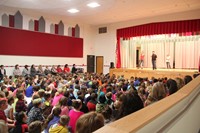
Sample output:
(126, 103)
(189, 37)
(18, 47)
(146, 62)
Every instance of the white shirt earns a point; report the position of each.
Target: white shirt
(168, 59)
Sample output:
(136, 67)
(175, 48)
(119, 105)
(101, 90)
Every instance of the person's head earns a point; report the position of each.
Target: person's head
(109, 95)
(26, 66)
(64, 120)
(158, 91)
(10, 99)
(2, 66)
(35, 97)
(16, 66)
(3, 103)
(172, 86)
(130, 103)
(73, 65)
(93, 96)
(102, 99)
(77, 104)
(40, 66)
(153, 52)
(196, 75)
(41, 93)
(47, 96)
(36, 88)
(187, 79)
(56, 111)
(21, 117)
(63, 101)
(180, 82)
(32, 66)
(89, 122)
(35, 127)
(66, 65)
(37, 102)
(20, 96)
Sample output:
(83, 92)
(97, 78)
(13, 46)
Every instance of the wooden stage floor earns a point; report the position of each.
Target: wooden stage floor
(148, 72)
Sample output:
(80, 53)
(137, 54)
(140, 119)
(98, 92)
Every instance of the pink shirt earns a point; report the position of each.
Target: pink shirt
(142, 57)
(56, 99)
(74, 115)
(64, 111)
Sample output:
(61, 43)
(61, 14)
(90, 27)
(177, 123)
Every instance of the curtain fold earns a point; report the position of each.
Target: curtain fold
(184, 51)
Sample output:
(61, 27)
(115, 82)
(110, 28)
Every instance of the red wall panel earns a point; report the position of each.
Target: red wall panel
(30, 43)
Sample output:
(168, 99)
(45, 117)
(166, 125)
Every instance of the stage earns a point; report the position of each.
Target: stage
(148, 72)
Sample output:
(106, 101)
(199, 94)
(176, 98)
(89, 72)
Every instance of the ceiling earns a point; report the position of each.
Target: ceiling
(110, 11)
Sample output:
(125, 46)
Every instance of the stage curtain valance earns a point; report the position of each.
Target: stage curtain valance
(181, 27)
(160, 28)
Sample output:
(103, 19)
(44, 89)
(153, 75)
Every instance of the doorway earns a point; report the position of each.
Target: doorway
(99, 64)
(90, 63)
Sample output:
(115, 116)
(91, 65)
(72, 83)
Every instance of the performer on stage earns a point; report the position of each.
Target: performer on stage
(154, 56)
(168, 61)
(142, 60)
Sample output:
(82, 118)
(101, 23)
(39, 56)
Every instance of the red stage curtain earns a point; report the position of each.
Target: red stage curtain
(160, 28)
(118, 57)
(180, 27)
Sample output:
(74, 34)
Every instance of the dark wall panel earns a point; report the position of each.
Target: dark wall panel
(11, 20)
(56, 28)
(36, 25)
(29, 43)
(73, 32)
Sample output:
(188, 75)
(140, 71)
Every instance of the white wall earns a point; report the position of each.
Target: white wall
(94, 43)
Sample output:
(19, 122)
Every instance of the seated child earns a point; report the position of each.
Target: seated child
(35, 127)
(3, 119)
(20, 125)
(61, 126)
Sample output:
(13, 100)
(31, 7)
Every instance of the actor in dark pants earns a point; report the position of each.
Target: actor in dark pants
(154, 56)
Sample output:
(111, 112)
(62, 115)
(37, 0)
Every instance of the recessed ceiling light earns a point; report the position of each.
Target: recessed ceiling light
(93, 5)
(73, 10)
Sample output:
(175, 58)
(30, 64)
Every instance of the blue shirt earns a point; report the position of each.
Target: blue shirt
(52, 122)
(29, 91)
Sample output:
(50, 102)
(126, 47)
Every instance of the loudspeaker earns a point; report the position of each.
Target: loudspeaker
(112, 65)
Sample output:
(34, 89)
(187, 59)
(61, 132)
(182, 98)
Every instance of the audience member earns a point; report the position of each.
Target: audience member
(89, 122)
(35, 127)
(20, 124)
(52, 119)
(60, 127)
(74, 114)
